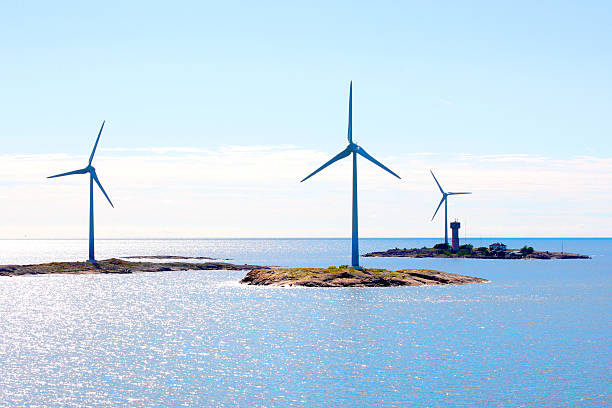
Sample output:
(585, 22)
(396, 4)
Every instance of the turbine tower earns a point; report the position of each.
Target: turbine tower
(353, 149)
(92, 177)
(444, 197)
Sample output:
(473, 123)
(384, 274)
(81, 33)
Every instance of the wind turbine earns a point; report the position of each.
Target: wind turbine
(92, 177)
(444, 196)
(353, 149)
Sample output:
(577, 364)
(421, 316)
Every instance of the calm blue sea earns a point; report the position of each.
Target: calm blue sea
(538, 335)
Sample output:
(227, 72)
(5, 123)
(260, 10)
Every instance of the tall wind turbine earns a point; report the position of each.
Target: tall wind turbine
(353, 149)
(444, 196)
(92, 177)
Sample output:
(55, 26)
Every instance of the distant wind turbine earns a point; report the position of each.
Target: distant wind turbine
(92, 177)
(444, 196)
(355, 150)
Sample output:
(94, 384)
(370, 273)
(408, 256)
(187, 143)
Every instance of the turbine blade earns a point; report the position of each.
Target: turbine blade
(95, 177)
(81, 171)
(365, 154)
(441, 201)
(350, 124)
(439, 186)
(337, 157)
(457, 193)
(96, 145)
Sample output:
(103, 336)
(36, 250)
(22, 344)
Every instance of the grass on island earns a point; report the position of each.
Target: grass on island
(344, 275)
(299, 273)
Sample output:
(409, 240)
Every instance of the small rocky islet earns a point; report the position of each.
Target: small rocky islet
(494, 251)
(344, 276)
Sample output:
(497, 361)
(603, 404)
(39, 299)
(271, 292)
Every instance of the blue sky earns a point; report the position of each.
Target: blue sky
(480, 77)
(444, 79)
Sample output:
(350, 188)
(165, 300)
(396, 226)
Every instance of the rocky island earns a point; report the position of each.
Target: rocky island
(343, 276)
(115, 265)
(494, 251)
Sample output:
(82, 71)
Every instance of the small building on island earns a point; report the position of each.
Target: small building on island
(497, 247)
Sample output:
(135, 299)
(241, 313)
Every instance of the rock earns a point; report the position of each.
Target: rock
(348, 277)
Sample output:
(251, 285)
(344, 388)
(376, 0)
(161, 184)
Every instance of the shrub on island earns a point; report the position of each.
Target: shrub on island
(525, 250)
(442, 246)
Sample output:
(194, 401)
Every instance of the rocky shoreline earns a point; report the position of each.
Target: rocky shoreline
(118, 266)
(348, 277)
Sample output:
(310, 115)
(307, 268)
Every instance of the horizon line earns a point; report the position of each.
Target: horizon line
(290, 238)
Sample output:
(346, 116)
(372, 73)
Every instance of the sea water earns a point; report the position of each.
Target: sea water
(539, 334)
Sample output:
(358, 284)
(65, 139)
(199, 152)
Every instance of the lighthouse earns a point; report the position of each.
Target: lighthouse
(455, 227)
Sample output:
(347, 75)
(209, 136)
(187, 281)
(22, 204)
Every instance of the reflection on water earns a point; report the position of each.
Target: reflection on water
(536, 335)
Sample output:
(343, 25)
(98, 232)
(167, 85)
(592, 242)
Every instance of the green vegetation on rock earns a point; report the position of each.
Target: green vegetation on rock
(346, 276)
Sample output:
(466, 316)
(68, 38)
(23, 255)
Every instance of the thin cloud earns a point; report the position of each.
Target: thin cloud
(255, 191)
